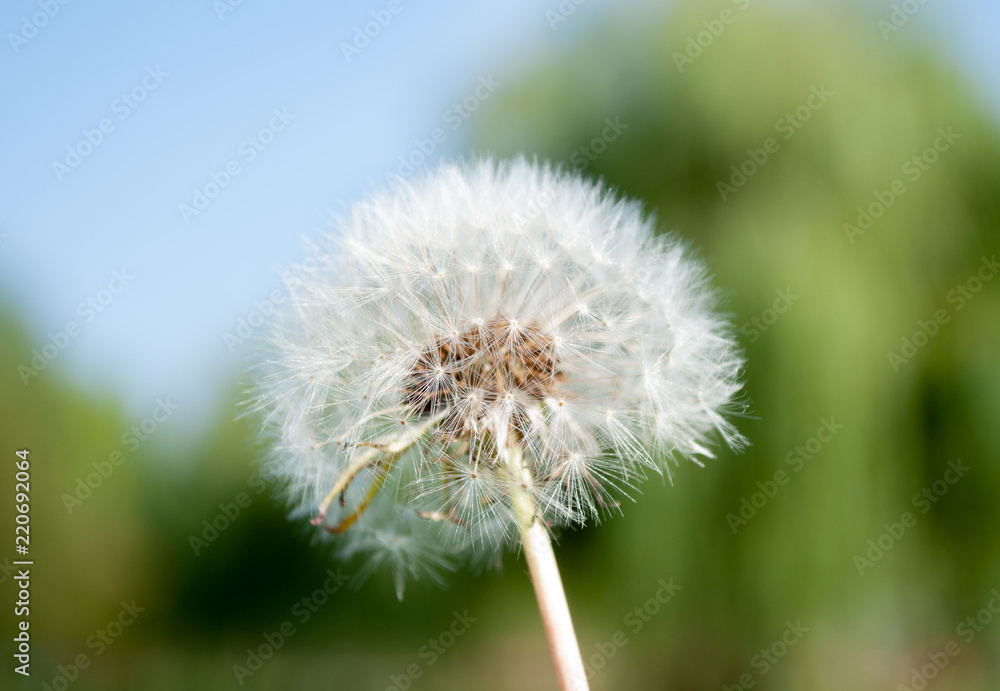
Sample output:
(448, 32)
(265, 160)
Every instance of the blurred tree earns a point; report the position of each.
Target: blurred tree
(842, 187)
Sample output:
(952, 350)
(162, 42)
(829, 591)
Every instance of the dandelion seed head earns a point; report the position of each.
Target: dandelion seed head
(483, 306)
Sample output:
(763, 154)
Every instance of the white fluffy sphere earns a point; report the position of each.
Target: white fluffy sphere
(481, 307)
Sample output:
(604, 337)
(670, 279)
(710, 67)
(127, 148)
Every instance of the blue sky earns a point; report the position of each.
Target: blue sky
(181, 93)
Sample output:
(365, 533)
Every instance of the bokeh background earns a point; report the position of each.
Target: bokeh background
(856, 245)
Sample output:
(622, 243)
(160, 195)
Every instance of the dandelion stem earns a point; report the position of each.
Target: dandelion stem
(545, 578)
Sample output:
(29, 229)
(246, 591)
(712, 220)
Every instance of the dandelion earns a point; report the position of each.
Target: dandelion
(486, 353)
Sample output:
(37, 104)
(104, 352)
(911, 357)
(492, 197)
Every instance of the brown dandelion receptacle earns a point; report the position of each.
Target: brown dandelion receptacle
(470, 371)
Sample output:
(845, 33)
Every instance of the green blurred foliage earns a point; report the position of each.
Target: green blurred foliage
(858, 296)
(826, 356)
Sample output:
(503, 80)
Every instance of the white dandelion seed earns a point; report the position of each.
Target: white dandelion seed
(485, 352)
